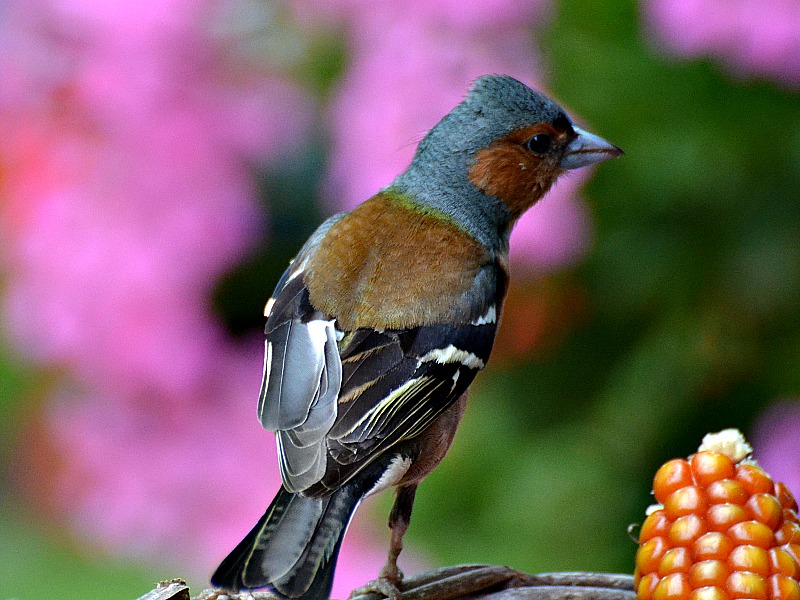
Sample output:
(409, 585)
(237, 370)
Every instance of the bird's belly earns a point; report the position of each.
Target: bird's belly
(434, 442)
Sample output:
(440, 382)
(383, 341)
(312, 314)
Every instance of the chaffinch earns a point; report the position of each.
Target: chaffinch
(381, 322)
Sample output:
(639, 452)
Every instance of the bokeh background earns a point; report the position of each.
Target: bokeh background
(161, 161)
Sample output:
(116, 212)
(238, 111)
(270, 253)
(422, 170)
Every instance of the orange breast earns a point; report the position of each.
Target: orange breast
(388, 266)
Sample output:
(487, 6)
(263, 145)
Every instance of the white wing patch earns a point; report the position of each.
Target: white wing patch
(318, 331)
(267, 360)
(487, 318)
(392, 475)
(298, 270)
(268, 306)
(451, 354)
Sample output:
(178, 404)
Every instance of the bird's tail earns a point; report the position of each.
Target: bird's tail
(292, 550)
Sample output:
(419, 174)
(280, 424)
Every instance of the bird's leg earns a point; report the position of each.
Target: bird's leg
(399, 519)
(390, 576)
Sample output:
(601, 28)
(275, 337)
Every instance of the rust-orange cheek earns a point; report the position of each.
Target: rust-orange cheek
(507, 170)
(723, 531)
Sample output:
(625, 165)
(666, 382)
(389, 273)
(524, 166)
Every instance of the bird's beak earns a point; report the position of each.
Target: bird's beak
(587, 149)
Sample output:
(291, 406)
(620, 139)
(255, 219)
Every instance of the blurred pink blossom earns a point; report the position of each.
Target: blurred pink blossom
(189, 478)
(410, 63)
(181, 449)
(128, 136)
(775, 440)
(556, 232)
(480, 17)
(754, 38)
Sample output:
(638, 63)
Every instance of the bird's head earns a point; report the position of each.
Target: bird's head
(526, 142)
(507, 141)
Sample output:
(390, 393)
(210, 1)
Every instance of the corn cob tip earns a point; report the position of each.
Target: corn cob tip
(722, 529)
(730, 442)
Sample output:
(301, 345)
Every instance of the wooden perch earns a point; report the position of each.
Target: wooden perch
(478, 582)
(174, 589)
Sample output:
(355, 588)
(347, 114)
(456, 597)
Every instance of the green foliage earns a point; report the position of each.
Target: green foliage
(294, 214)
(35, 565)
(13, 381)
(693, 324)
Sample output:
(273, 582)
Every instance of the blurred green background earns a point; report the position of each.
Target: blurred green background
(682, 319)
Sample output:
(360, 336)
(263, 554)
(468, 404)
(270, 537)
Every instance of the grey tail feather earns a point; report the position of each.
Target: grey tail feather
(292, 550)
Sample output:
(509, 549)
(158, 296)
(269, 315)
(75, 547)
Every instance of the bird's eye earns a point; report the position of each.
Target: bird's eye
(540, 143)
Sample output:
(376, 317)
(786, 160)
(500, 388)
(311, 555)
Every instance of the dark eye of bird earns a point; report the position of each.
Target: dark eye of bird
(540, 143)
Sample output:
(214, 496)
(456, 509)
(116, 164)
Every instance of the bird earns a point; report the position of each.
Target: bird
(380, 323)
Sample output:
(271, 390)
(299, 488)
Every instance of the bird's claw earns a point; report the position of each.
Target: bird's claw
(385, 586)
(391, 573)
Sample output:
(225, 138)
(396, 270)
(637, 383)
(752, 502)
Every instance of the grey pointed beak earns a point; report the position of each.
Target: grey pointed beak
(587, 149)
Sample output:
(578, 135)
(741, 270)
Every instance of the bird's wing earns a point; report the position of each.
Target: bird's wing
(394, 385)
(302, 374)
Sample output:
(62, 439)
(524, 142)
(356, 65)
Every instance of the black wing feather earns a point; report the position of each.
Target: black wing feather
(373, 419)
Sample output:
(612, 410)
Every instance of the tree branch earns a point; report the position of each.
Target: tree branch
(479, 582)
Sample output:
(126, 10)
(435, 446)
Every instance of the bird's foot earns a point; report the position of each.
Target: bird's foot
(391, 572)
(387, 585)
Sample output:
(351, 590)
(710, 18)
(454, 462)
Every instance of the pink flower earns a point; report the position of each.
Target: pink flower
(758, 38)
(775, 443)
(149, 472)
(555, 233)
(156, 476)
(129, 133)
(449, 14)
(129, 184)
(107, 276)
